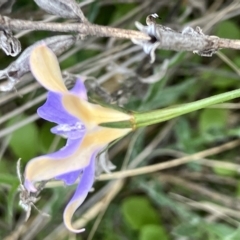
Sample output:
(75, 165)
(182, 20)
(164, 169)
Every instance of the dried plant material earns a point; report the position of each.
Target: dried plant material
(28, 199)
(9, 44)
(166, 38)
(6, 6)
(94, 89)
(160, 73)
(62, 8)
(58, 44)
(103, 163)
(80, 28)
(198, 5)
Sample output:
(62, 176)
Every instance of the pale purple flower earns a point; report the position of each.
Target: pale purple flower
(78, 121)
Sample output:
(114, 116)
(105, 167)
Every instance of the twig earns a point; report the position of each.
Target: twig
(170, 164)
(203, 191)
(82, 28)
(211, 178)
(218, 211)
(188, 39)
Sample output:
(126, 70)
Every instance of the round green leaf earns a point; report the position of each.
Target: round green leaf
(153, 232)
(138, 212)
(213, 119)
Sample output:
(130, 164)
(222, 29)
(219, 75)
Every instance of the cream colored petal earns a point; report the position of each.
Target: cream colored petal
(45, 168)
(91, 114)
(80, 194)
(68, 213)
(45, 67)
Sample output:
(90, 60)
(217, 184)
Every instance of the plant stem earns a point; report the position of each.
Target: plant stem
(81, 28)
(157, 116)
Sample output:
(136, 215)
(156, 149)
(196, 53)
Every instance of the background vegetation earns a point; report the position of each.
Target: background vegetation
(194, 201)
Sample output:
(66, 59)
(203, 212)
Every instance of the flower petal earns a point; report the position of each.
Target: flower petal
(53, 111)
(79, 89)
(83, 188)
(72, 131)
(91, 114)
(70, 147)
(69, 178)
(58, 163)
(44, 66)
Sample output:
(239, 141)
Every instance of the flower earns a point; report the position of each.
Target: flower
(78, 120)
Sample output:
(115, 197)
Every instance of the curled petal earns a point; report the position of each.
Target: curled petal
(58, 163)
(44, 66)
(91, 114)
(81, 193)
(53, 111)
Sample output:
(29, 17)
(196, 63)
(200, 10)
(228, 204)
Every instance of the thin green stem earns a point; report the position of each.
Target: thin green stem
(152, 117)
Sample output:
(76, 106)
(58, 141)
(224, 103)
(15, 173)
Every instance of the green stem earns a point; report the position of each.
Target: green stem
(157, 116)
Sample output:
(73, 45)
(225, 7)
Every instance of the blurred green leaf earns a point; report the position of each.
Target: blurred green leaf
(237, 61)
(45, 136)
(228, 29)
(137, 212)
(234, 132)
(234, 236)
(121, 10)
(191, 230)
(8, 179)
(211, 119)
(10, 200)
(157, 97)
(222, 78)
(183, 134)
(220, 230)
(153, 232)
(158, 196)
(224, 172)
(24, 141)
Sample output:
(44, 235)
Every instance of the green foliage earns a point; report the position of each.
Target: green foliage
(157, 97)
(24, 141)
(138, 212)
(189, 78)
(228, 29)
(184, 135)
(212, 119)
(121, 10)
(223, 171)
(46, 138)
(153, 232)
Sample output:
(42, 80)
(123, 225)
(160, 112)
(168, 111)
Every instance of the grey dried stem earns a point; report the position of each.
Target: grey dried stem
(150, 37)
(81, 28)
(188, 39)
